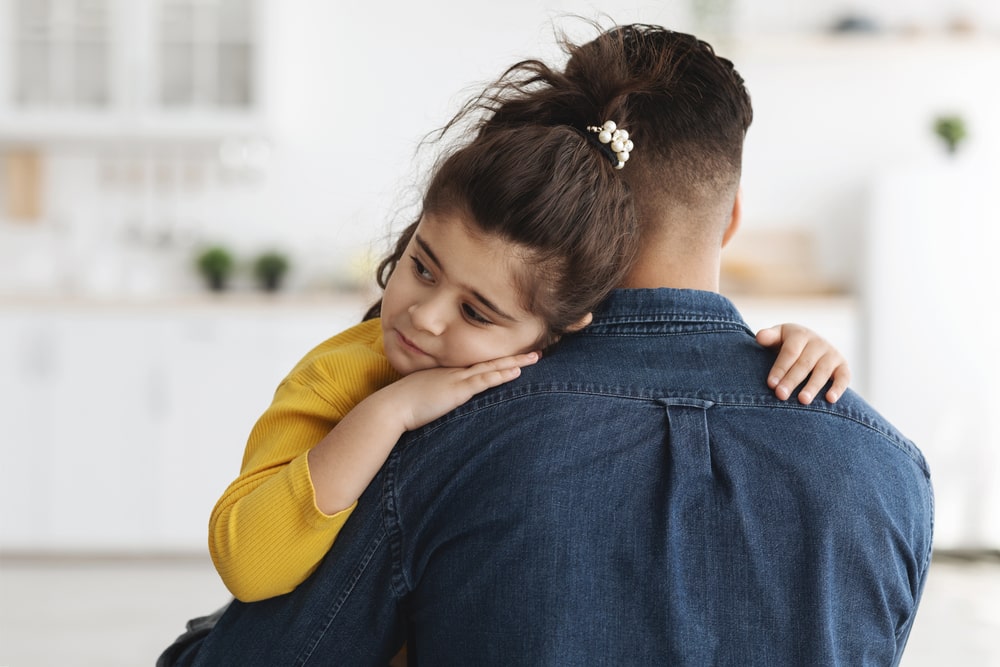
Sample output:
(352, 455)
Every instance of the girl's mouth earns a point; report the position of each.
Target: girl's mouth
(410, 345)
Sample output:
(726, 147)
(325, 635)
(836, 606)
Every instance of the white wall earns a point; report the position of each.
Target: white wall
(933, 287)
(357, 85)
(352, 87)
(830, 114)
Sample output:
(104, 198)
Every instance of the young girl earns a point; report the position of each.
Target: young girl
(522, 233)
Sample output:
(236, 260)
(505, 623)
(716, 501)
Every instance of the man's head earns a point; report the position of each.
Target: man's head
(688, 112)
(688, 109)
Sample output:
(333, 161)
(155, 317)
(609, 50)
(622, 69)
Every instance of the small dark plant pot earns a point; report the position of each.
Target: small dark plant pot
(270, 268)
(270, 283)
(952, 131)
(217, 282)
(215, 264)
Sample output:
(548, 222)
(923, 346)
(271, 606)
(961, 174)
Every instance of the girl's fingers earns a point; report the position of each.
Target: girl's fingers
(795, 376)
(817, 379)
(806, 358)
(491, 373)
(788, 367)
(829, 365)
(841, 379)
(770, 336)
(484, 381)
(503, 363)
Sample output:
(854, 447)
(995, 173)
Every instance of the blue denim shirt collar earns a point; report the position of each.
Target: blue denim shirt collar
(666, 309)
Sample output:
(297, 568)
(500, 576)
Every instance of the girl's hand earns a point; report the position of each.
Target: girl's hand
(804, 354)
(347, 459)
(423, 396)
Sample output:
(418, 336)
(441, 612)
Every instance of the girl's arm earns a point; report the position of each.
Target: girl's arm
(804, 353)
(266, 532)
(345, 461)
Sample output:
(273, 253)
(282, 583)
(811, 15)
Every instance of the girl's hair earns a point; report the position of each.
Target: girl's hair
(552, 192)
(532, 178)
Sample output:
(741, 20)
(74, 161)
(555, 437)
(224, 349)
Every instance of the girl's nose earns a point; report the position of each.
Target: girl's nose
(428, 316)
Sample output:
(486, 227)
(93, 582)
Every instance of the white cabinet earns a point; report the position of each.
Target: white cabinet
(221, 372)
(121, 426)
(933, 287)
(60, 54)
(130, 68)
(29, 368)
(102, 411)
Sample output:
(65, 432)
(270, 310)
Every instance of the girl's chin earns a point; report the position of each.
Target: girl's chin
(402, 362)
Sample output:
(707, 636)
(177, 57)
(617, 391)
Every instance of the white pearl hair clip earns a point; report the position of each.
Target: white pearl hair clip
(617, 140)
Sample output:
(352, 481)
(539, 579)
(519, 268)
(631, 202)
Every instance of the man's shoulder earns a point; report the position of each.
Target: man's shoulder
(852, 407)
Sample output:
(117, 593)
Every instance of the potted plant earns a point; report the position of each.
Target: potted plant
(951, 130)
(269, 269)
(215, 264)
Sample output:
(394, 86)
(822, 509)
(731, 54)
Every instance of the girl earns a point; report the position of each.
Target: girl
(522, 233)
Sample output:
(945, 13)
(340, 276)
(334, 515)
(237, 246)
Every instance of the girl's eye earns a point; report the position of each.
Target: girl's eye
(474, 315)
(421, 270)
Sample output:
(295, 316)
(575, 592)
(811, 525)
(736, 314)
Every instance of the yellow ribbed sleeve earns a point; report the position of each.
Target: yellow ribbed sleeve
(266, 534)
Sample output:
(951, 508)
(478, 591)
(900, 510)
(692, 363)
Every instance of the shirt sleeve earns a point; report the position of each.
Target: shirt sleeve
(266, 534)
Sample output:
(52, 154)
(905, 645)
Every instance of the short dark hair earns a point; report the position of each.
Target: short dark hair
(689, 108)
(686, 108)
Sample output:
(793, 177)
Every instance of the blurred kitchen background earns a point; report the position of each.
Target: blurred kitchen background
(151, 147)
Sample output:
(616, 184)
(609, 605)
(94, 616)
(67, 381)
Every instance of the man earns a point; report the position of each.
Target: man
(639, 496)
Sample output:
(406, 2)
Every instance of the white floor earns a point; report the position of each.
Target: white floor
(100, 613)
(60, 612)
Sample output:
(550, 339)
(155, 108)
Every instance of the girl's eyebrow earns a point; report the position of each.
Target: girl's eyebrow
(482, 299)
(427, 250)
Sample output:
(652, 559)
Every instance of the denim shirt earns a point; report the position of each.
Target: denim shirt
(638, 497)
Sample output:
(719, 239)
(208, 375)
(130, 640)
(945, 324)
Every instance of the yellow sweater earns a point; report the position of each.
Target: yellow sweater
(266, 535)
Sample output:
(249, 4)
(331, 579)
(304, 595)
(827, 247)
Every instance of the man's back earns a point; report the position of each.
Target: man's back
(639, 497)
(642, 498)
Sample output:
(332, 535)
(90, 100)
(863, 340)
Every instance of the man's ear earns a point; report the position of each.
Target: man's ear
(735, 218)
(581, 323)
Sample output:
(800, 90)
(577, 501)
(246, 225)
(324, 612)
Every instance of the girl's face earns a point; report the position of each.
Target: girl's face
(452, 300)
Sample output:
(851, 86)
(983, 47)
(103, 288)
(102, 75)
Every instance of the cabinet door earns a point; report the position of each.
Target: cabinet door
(107, 414)
(220, 381)
(29, 364)
(58, 68)
(206, 54)
(120, 428)
(81, 409)
(60, 53)
(223, 372)
(144, 68)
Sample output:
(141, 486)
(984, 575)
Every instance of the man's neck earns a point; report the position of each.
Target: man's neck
(682, 247)
(654, 269)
